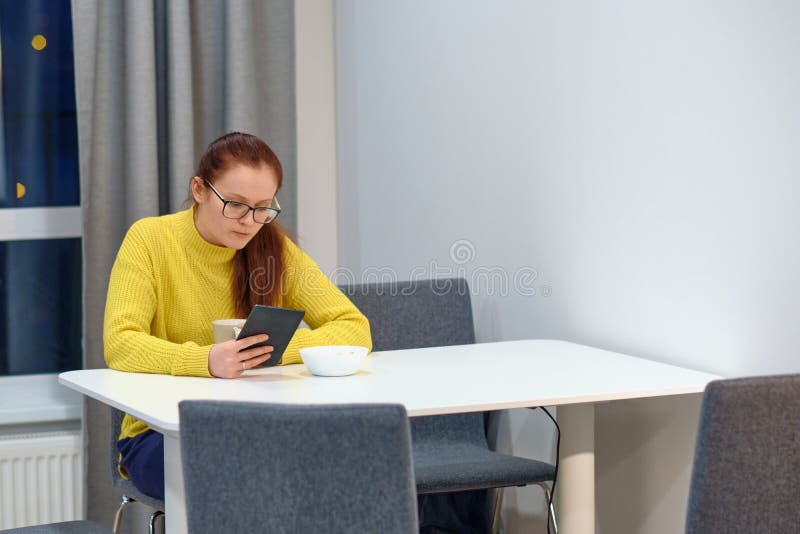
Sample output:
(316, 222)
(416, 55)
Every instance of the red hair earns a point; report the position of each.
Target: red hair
(259, 267)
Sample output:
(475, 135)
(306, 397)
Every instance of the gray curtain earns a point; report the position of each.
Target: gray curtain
(158, 80)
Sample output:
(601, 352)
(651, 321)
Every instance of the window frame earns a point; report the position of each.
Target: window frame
(38, 398)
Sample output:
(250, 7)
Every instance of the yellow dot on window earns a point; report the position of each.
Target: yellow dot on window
(20, 190)
(38, 42)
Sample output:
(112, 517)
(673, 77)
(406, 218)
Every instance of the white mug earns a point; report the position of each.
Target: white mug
(225, 329)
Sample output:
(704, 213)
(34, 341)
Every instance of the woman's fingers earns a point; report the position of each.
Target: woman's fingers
(258, 360)
(231, 358)
(254, 352)
(242, 344)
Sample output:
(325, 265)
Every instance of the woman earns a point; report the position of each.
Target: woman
(177, 273)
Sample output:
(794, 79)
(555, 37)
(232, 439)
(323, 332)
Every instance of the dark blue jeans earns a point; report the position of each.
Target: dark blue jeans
(143, 460)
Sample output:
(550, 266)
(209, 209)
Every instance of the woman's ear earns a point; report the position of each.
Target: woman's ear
(198, 189)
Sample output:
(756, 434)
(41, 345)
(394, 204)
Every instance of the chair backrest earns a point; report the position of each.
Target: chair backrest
(116, 425)
(125, 486)
(417, 314)
(288, 468)
(746, 473)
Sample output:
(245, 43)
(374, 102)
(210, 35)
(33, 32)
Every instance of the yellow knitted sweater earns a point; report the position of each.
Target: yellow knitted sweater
(168, 284)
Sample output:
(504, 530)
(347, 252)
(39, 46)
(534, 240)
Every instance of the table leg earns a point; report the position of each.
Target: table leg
(174, 495)
(575, 490)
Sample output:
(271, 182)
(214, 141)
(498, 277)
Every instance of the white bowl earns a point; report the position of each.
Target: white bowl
(333, 360)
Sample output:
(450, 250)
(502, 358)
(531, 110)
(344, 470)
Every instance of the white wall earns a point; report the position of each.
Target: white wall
(641, 156)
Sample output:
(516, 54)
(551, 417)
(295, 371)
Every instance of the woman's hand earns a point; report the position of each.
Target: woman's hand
(231, 358)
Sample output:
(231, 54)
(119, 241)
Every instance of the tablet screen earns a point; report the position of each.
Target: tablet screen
(279, 324)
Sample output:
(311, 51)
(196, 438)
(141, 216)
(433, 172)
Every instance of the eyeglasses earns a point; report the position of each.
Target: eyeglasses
(236, 210)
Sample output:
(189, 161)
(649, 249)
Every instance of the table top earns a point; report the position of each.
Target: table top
(429, 381)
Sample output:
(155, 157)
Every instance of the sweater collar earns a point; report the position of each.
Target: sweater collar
(195, 243)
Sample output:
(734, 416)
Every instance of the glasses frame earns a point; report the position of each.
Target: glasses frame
(251, 209)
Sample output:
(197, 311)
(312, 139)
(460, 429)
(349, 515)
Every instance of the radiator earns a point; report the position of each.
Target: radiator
(41, 478)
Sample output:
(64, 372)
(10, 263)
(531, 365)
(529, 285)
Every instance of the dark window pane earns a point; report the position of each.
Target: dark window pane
(40, 306)
(39, 137)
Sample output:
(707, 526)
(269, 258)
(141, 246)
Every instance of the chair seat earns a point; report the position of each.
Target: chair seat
(127, 487)
(460, 467)
(69, 527)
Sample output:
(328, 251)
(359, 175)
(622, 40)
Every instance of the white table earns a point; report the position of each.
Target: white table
(438, 380)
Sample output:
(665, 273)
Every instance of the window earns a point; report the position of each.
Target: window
(40, 217)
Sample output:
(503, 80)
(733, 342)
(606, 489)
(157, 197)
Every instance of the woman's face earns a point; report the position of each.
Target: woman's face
(254, 186)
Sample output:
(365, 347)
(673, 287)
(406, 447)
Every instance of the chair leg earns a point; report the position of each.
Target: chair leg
(118, 516)
(546, 490)
(153, 518)
(498, 503)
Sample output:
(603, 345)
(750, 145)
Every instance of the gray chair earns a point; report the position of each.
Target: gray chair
(277, 468)
(746, 472)
(450, 452)
(68, 527)
(129, 492)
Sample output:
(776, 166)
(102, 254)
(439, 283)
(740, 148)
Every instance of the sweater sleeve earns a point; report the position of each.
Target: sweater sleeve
(130, 308)
(333, 318)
